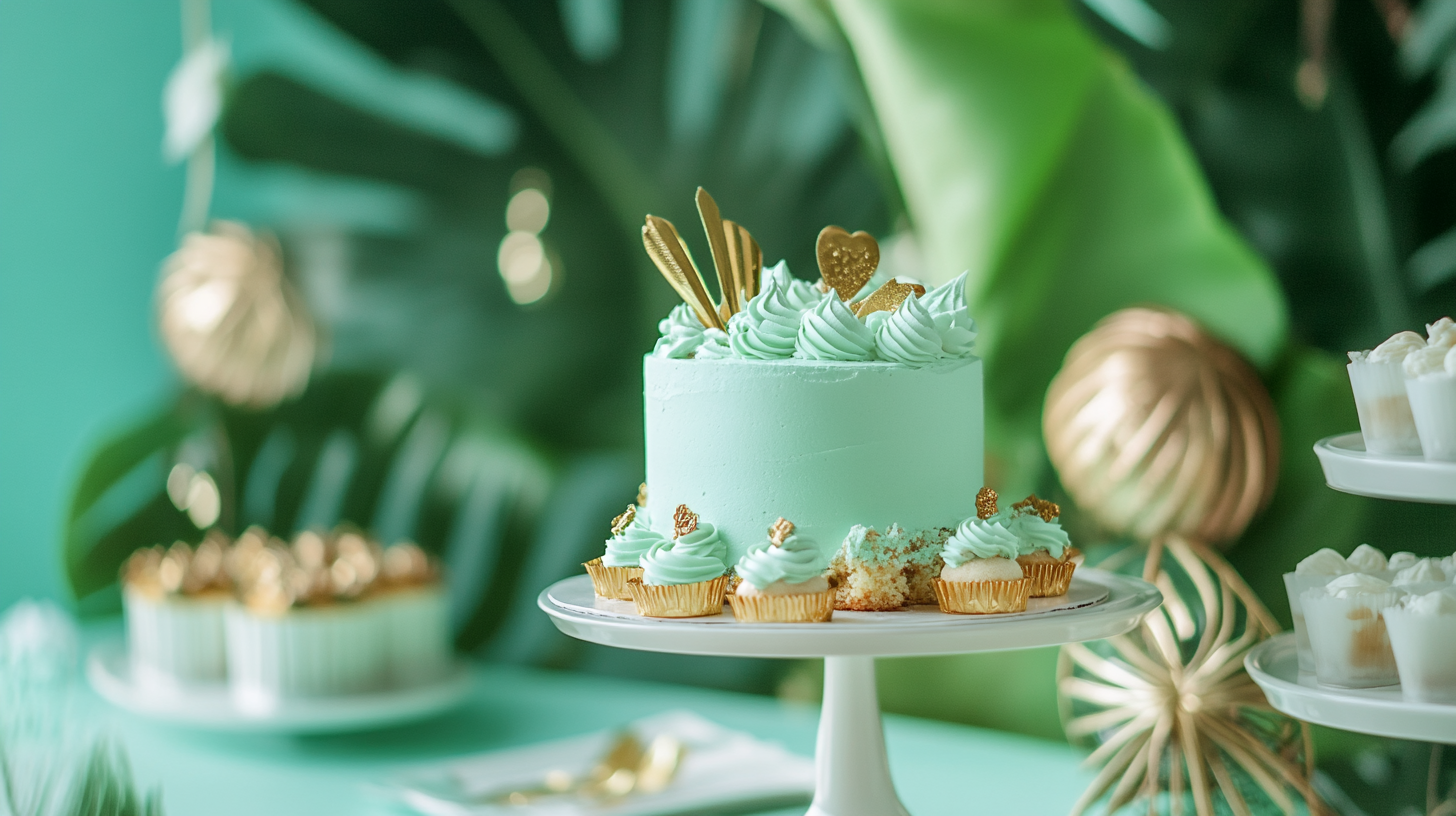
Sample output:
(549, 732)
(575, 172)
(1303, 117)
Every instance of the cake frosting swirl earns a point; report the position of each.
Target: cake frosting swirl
(795, 561)
(909, 335)
(800, 295)
(714, 346)
(830, 331)
(672, 563)
(1036, 534)
(625, 549)
(768, 329)
(980, 538)
(681, 331)
(947, 307)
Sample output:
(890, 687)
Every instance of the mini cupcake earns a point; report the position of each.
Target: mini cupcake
(1313, 572)
(1044, 546)
(981, 575)
(631, 539)
(1378, 380)
(1430, 387)
(1368, 560)
(1347, 634)
(414, 607)
(783, 581)
(683, 578)
(173, 601)
(304, 628)
(1424, 576)
(1422, 630)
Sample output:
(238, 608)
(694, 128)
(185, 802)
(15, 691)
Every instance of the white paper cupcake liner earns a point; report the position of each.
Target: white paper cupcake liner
(1433, 406)
(1384, 409)
(175, 641)
(305, 652)
(1424, 654)
(1295, 585)
(417, 634)
(1348, 638)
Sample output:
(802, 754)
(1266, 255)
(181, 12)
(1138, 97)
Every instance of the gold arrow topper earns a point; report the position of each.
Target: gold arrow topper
(888, 298)
(846, 262)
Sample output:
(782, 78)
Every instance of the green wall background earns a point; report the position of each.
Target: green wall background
(87, 210)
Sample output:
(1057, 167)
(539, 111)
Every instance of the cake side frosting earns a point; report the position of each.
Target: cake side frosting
(831, 445)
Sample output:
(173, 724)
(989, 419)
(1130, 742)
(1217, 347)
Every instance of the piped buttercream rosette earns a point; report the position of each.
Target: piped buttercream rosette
(784, 580)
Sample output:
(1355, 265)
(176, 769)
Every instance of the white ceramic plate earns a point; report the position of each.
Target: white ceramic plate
(1350, 469)
(1099, 605)
(1274, 665)
(578, 596)
(211, 707)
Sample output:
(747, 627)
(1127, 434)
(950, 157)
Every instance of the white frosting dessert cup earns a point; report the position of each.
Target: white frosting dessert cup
(416, 623)
(1348, 639)
(316, 651)
(1384, 408)
(1296, 584)
(1433, 407)
(1422, 644)
(175, 640)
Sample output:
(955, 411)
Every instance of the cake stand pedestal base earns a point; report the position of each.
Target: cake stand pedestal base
(852, 770)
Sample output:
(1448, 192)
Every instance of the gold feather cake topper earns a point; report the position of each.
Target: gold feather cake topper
(667, 251)
(684, 521)
(846, 262)
(780, 531)
(737, 260)
(985, 503)
(622, 522)
(888, 298)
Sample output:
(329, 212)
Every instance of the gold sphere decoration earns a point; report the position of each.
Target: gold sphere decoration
(1156, 428)
(232, 322)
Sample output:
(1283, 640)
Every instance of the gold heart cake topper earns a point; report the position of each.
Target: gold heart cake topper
(684, 521)
(846, 262)
(888, 298)
(780, 531)
(622, 522)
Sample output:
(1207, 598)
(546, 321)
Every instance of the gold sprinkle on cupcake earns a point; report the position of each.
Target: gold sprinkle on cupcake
(642, 495)
(684, 521)
(622, 522)
(986, 503)
(1047, 510)
(780, 531)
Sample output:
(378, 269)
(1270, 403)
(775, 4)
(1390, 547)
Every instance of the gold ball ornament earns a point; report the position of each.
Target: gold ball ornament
(1157, 428)
(234, 325)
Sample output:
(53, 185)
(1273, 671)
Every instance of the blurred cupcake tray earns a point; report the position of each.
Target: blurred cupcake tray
(212, 706)
(1382, 711)
(1349, 468)
(1096, 605)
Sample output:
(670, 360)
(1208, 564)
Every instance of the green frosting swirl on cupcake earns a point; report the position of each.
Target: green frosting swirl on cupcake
(706, 538)
(670, 563)
(627, 548)
(767, 329)
(795, 561)
(981, 538)
(1035, 533)
(830, 331)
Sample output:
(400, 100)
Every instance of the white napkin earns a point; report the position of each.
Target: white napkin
(720, 767)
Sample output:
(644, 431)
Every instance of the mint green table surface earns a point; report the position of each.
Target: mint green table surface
(938, 768)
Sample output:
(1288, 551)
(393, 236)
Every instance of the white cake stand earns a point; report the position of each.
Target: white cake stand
(1274, 664)
(852, 769)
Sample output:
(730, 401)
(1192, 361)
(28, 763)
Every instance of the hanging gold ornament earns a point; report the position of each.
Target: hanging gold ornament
(232, 322)
(1160, 432)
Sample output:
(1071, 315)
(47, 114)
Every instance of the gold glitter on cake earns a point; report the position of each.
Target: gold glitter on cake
(642, 495)
(780, 531)
(846, 262)
(1047, 510)
(622, 522)
(985, 503)
(684, 521)
(888, 298)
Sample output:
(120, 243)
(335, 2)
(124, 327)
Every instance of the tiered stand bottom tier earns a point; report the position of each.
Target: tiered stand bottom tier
(853, 772)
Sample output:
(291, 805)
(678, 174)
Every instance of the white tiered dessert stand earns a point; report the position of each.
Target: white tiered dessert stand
(1274, 664)
(852, 775)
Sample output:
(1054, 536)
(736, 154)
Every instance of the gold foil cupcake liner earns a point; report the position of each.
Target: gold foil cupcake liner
(611, 582)
(813, 607)
(680, 600)
(982, 597)
(1049, 580)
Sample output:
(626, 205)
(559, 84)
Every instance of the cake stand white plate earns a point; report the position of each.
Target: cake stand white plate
(1274, 665)
(211, 707)
(1350, 469)
(852, 771)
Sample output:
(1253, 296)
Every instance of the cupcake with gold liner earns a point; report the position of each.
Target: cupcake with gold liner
(413, 606)
(306, 626)
(1045, 550)
(981, 575)
(174, 600)
(631, 539)
(783, 581)
(683, 578)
